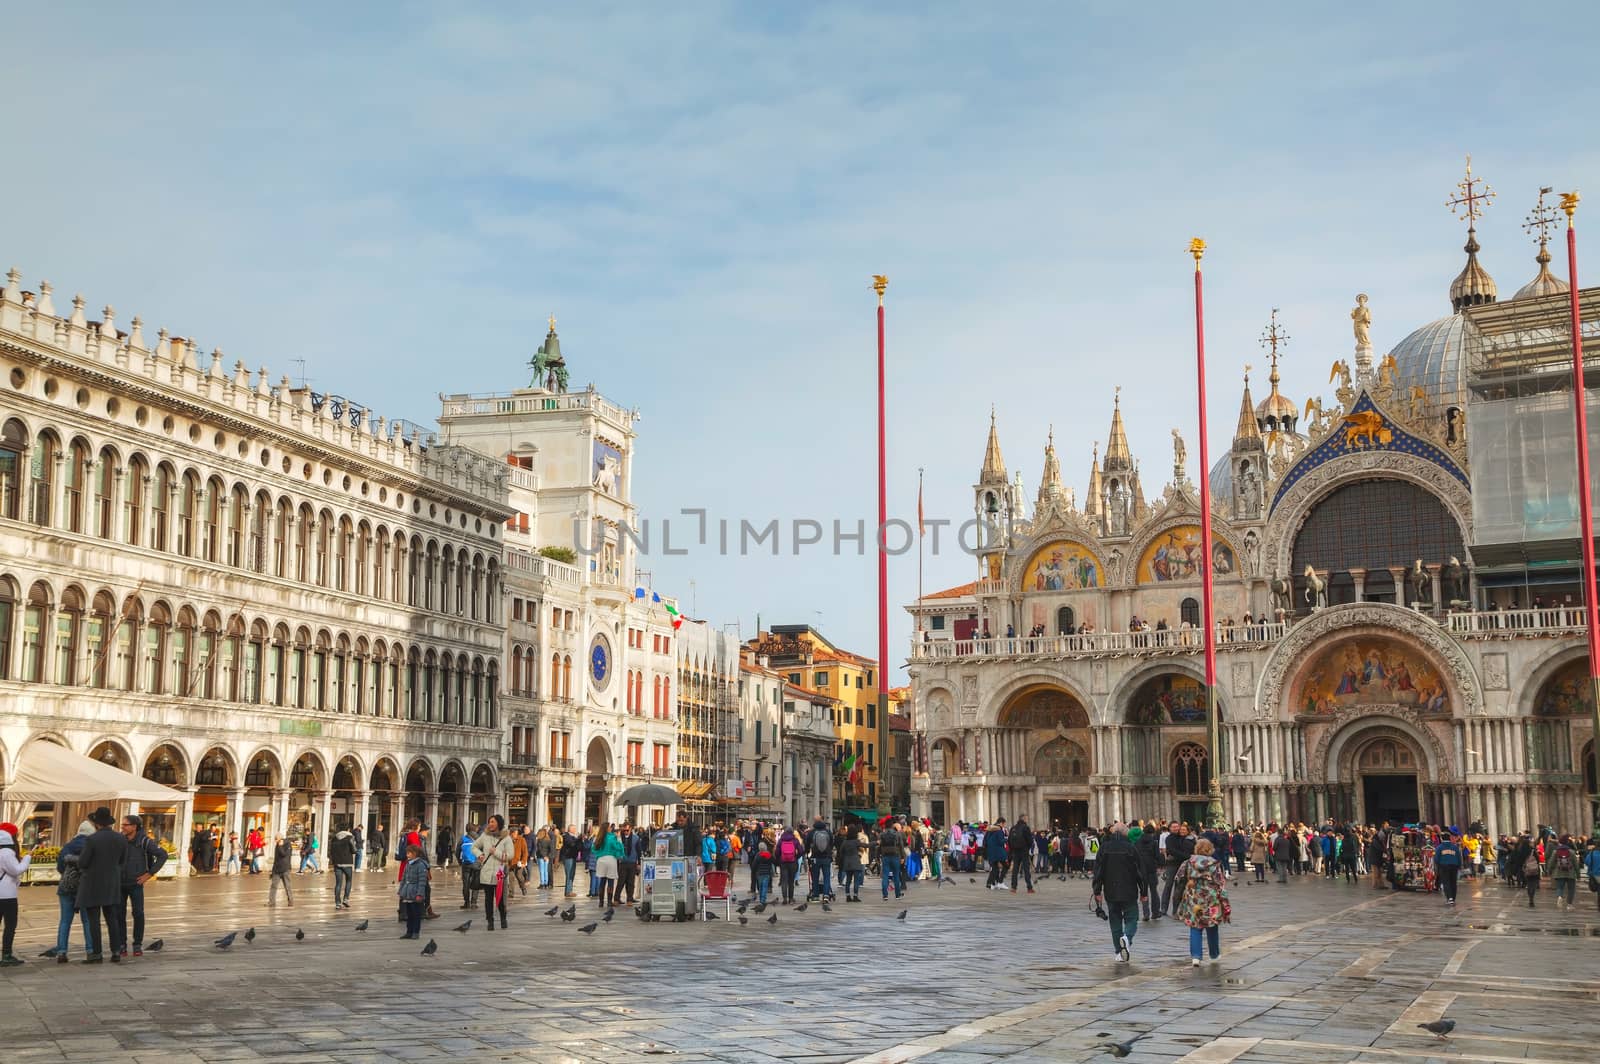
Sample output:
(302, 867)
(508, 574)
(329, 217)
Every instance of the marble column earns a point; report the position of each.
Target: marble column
(430, 818)
(280, 814)
(185, 828)
(324, 800)
(363, 811)
(236, 814)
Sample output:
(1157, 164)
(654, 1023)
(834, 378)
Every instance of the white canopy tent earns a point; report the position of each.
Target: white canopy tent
(50, 773)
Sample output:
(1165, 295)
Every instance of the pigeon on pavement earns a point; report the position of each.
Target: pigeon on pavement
(552, 910)
(761, 908)
(570, 913)
(250, 935)
(362, 926)
(1121, 1049)
(226, 940)
(743, 920)
(610, 914)
(155, 947)
(299, 934)
(903, 913)
(1439, 1027)
(588, 929)
(430, 949)
(463, 928)
(801, 907)
(742, 907)
(773, 919)
(711, 915)
(827, 908)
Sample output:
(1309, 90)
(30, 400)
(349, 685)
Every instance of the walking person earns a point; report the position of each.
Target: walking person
(309, 847)
(819, 845)
(413, 890)
(235, 855)
(342, 852)
(1180, 846)
(570, 846)
(492, 853)
(1285, 849)
(1203, 901)
(891, 854)
(788, 853)
(1564, 872)
(380, 848)
(282, 862)
(13, 863)
(628, 866)
(519, 858)
(1019, 847)
(851, 868)
(100, 882)
(469, 869)
(145, 859)
(1146, 843)
(995, 847)
(1447, 865)
(1119, 881)
(1257, 855)
(761, 863)
(1531, 869)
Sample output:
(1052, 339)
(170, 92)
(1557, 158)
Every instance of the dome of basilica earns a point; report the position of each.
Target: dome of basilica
(1432, 358)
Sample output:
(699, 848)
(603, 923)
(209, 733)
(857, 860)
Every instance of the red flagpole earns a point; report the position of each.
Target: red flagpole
(1214, 811)
(1591, 609)
(879, 284)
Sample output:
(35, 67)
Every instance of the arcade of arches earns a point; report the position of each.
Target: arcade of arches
(217, 786)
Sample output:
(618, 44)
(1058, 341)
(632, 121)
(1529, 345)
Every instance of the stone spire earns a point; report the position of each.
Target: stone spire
(1539, 222)
(1118, 456)
(1050, 487)
(994, 466)
(1092, 503)
(1247, 428)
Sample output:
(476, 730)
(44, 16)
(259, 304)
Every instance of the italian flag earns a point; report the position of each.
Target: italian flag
(677, 618)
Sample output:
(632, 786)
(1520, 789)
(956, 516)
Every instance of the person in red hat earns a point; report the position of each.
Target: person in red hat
(13, 863)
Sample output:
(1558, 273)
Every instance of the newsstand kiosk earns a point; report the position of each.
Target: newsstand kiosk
(671, 879)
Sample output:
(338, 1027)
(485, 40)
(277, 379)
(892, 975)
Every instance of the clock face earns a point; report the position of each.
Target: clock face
(600, 661)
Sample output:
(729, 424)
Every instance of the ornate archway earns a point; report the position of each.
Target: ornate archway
(1042, 737)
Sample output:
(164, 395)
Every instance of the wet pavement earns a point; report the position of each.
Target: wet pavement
(1314, 971)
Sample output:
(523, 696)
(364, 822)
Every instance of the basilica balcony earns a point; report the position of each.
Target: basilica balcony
(521, 760)
(1096, 644)
(1548, 621)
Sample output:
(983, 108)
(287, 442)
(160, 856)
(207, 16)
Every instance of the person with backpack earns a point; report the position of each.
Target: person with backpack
(13, 863)
(342, 856)
(761, 863)
(571, 846)
(788, 854)
(1019, 848)
(1530, 868)
(851, 847)
(469, 869)
(995, 847)
(67, 894)
(819, 844)
(1591, 865)
(1447, 865)
(255, 845)
(1564, 872)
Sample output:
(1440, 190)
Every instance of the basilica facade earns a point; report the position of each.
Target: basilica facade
(1368, 666)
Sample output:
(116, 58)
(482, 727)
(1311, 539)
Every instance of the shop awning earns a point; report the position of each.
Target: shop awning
(50, 773)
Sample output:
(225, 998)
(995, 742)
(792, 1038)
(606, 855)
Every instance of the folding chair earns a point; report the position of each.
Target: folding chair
(714, 886)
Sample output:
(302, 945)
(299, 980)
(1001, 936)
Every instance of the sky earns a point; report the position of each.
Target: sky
(400, 194)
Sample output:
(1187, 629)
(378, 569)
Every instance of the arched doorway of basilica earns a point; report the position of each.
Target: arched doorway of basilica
(1386, 772)
(1041, 738)
(1165, 766)
(944, 761)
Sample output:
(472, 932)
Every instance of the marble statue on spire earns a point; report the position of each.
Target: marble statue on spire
(1180, 459)
(1361, 321)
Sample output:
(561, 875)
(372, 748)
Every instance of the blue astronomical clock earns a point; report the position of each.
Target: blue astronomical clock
(600, 660)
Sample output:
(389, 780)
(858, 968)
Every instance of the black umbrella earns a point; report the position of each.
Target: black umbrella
(649, 794)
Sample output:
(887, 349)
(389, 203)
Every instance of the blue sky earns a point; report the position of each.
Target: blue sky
(399, 194)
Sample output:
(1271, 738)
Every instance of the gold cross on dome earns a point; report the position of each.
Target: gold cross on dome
(552, 323)
(1272, 336)
(1537, 224)
(1472, 198)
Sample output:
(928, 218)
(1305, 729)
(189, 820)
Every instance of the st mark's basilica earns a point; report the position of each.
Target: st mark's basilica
(1397, 597)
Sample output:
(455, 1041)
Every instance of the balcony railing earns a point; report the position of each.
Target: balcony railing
(522, 760)
(1094, 644)
(1509, 624)
(561, 763)
(532, 402)
(636, 769)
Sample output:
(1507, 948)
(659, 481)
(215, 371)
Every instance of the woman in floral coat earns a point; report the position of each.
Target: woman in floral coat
(1205, 901)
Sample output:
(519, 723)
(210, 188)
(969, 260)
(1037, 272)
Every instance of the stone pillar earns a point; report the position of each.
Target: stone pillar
(236, 814)
(397, 816)
(1398, 575)
(280, 813)
(363, 812)
(461, 811)
(185, 828)
(324, 800)
(1359, 576)
(430, 818)
(1437, 585)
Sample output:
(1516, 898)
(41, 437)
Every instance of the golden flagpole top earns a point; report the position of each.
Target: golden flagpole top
(1569, 203)
(1197, 248)
(879, 283)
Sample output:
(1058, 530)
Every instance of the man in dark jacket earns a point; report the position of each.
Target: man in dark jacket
(100, 881)
(282, 859)
(1180, 847)
(1285, 851)
(891, 855)
(342, 856)
(145, 858)
(1119, 879)
(1019, 844)
(994, 852)
(1148, 848)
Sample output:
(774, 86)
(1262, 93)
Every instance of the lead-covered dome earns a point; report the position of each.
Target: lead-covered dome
(1433, 358)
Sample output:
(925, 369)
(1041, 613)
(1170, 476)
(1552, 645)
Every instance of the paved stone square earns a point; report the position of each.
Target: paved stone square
(1314, 971)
